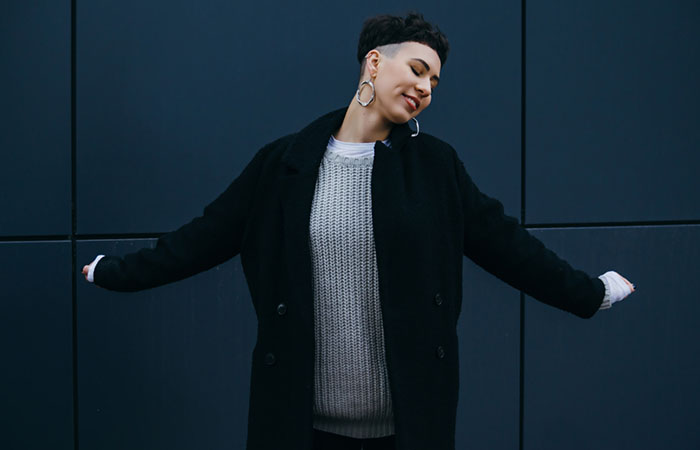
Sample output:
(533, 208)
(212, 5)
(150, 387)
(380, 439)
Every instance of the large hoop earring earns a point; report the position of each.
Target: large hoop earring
(417, 127)
(365, 104)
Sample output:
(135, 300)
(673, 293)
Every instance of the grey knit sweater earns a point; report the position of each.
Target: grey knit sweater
(351, 395)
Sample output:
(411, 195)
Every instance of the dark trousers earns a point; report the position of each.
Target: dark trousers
(330, 441)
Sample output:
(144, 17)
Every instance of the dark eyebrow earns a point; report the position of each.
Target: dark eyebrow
(427, 67)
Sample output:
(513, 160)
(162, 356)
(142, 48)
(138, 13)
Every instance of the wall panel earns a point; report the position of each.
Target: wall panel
(174, 98)
(35, 121)
(167, 367)
(613, 103)
(627, 378)
(489, 358)
(36, 331)
(477, 106)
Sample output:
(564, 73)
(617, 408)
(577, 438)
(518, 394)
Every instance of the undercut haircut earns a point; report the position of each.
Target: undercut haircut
(386, 29)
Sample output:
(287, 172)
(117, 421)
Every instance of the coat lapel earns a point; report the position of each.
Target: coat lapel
(389, 206)
(301, 161)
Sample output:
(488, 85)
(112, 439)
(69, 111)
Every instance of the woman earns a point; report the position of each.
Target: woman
(352, 234)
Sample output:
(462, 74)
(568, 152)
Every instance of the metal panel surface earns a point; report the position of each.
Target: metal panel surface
(477, 107)
(174, 98)
(489, 383)
(168, 367)
(35, 127)
(613, 103)
(36, 342)
(626, 378)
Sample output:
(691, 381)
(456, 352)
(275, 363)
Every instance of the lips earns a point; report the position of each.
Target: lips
(413, 102)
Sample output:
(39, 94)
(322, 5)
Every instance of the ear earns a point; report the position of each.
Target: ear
(372, 60)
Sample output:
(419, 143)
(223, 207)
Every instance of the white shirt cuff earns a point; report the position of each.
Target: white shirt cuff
(91, 269)
(616, 288)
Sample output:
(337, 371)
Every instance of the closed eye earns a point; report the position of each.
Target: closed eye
(433, 81)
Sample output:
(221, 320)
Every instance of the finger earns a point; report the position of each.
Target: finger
(628, 283)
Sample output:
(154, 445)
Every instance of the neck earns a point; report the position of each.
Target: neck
(363, 124)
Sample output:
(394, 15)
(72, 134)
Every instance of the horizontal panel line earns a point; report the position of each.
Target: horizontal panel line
(651, 223)
(115, 236)
(118, 236)
(84, 237)
(45, 237)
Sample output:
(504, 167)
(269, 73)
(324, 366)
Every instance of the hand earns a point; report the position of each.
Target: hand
(86, 268)
(618, 286)
(628, 283)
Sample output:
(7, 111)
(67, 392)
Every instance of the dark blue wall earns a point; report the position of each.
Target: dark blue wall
(628, 378)
(122, 119)
(35, 118)
(613, 102)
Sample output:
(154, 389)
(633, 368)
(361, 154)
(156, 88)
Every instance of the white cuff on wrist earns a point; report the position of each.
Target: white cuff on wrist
(616, 288)
(606, 299)
(91, 269)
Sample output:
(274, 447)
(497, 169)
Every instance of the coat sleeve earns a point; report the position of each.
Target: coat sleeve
(204, 242)
(500, 245)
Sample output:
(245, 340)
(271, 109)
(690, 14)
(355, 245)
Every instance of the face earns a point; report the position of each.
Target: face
(404, 82)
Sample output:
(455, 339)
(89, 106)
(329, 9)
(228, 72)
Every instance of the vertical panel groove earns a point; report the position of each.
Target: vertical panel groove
(522, 217)
(74, 224)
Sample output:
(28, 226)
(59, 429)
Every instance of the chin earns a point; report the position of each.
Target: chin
(398, 114)
(400, 117)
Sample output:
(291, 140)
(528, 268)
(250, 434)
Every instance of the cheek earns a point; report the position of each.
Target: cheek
(389, 95)
(425, 102)
(382, 91)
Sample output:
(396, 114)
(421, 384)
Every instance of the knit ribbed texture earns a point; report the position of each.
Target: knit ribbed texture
(606, 304)
(616, 288)
(351, 395)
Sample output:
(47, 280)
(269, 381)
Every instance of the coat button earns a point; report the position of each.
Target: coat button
(440, 352)
(438, 299)
(281, 309)
(269, 359)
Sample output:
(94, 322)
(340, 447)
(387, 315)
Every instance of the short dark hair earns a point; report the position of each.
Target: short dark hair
(386, 29)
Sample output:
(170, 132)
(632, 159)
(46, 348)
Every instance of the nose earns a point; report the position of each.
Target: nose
(423, 87)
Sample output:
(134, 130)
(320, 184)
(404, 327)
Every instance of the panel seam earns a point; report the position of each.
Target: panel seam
(523, 98)
(74, 221)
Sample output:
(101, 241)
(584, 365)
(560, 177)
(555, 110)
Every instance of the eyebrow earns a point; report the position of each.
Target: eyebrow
(427, 67)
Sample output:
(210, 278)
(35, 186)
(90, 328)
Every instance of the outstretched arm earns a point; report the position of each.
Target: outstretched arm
(206, 241)
(499, 244)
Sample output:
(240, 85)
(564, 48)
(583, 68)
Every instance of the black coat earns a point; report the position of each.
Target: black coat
(427, 213)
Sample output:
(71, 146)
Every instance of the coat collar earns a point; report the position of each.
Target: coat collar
(306, 151)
